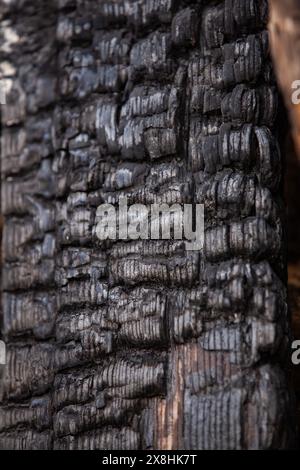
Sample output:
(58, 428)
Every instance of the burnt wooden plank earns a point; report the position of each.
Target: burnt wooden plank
(141, 344)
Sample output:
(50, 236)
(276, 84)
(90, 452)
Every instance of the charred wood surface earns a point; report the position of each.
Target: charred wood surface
(141, 344)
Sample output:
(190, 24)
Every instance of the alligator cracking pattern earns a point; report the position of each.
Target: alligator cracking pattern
(140, 344)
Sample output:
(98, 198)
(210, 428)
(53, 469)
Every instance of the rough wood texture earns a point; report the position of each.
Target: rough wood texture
(140, 344)
(284, 29)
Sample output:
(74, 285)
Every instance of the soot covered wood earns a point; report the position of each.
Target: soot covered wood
(140, 345)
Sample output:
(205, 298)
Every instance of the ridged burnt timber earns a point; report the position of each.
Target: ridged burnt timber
(141, 344)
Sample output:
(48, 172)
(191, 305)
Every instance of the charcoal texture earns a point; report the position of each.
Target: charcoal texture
(141, 344)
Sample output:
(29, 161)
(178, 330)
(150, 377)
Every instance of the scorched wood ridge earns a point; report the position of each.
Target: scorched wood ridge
(141, 344)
